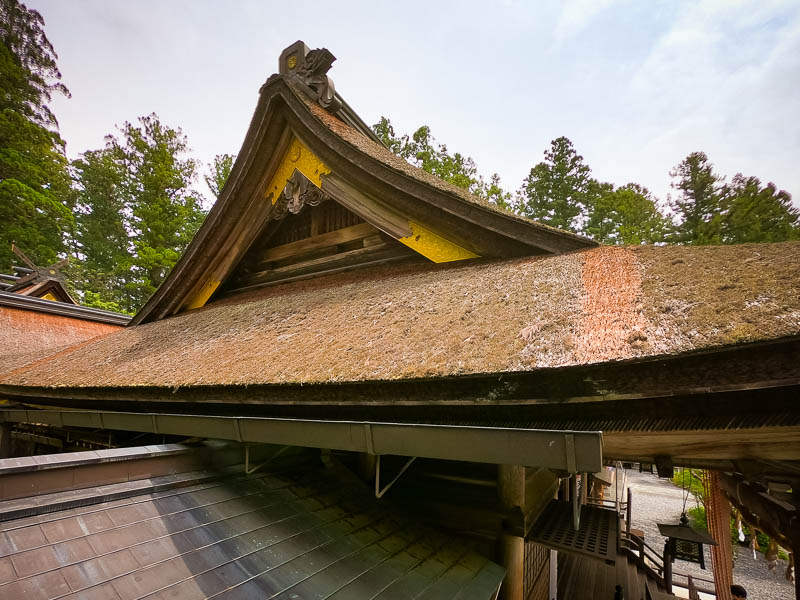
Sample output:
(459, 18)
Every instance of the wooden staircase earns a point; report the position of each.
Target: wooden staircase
(581, 577)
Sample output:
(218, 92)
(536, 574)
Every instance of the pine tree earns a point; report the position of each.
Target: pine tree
(220, 170)
(698, 203)
(164, 209)
(758, 214)
(555, 192)
(34, 183)
(101, 237)
(625, 215)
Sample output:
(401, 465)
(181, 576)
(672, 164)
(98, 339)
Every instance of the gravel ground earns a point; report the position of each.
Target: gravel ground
(659, 501)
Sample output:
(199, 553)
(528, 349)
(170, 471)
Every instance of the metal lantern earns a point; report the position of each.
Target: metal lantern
(685, 543)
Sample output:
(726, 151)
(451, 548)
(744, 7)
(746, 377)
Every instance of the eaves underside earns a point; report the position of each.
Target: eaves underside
(766, 368)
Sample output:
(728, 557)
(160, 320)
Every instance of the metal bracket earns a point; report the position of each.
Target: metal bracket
(247, 468)
(380, 492)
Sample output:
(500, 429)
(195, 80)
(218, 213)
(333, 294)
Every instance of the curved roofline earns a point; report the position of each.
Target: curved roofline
(283, 113)
(20, 301)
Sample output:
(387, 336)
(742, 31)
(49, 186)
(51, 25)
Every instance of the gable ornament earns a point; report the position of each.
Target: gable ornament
(308, 69)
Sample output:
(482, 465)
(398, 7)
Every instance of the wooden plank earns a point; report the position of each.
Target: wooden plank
(366, 207)
(342, 259)
(369, 263)
(767, 443)
(317, 242)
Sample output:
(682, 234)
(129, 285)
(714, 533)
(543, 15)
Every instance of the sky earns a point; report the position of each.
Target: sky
(636, 85)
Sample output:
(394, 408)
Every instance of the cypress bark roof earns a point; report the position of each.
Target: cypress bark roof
(595, 306)
(285, 113)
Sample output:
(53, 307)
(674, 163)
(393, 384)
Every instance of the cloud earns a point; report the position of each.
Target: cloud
(576, 15)
(725, 79)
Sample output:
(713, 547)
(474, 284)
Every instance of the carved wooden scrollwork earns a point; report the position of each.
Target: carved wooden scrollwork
(298, 193)
(309, 69)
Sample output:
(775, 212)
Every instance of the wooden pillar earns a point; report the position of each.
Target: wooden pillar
(667, 567)
(718, 516)
(511, 492)
(366, 467)
(796, 561)
(5, 440)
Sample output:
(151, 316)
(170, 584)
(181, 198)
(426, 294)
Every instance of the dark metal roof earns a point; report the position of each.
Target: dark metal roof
(61, 308)
(596, 537)
(308, 533)
(685, 532)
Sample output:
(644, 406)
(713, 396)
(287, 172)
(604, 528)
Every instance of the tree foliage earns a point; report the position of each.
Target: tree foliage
(34, 185)
(219, 171)
(556, 190)
(422, 150)
(625, 215)
(756, 213)
(101, 241)
(697, 204)
(29, 75)
(138, 211)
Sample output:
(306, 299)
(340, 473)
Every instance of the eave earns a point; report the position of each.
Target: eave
(20, 301)
(238, 216)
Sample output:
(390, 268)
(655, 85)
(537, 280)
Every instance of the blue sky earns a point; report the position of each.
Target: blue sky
(636, 85)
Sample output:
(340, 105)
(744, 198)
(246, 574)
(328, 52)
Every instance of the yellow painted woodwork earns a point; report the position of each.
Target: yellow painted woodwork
(203, 294)
(299, 157)
(433, 246)
(49, 296)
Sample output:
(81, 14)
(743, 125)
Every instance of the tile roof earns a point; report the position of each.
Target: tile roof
(596, 306)
(312, 533)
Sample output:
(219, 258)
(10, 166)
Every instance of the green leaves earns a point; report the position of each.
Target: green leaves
(625, 215)
(29, 75)
(555, 192)
(422, 150)
(137, 211)
(220, 171)
(560, 191)
(752, 213)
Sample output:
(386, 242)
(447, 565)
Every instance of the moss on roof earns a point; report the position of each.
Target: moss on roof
(382, 154)
(595, 306)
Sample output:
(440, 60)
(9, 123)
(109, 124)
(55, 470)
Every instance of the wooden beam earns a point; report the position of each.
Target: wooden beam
(369, 263)
(366, 207)
(777, 519)
(764, 443)
(326, 263)
(318, 242)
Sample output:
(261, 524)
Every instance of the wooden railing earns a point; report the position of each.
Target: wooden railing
(646, 558)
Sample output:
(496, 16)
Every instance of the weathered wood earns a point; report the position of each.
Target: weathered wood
(317, 242)
(767, 443)
(511, 493)
(777, 519)
(327, 263)
(361, 265)
(364, 206)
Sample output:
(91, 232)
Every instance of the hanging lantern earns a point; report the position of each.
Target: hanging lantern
(684, 542)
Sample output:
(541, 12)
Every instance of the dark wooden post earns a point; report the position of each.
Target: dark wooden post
(667, 567)
(796, 557)
(628, 511)
(5, 440)
(511, 492)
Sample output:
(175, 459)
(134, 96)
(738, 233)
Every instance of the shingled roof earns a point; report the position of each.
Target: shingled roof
(596, 306)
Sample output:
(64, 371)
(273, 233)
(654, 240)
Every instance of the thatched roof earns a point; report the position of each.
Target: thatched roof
(595, 306)
(30, 333)
(284, 113)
